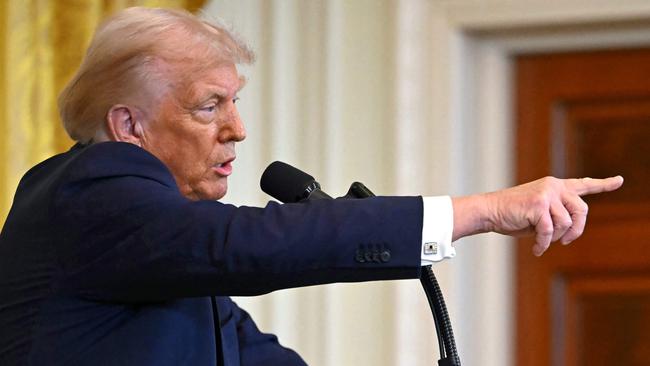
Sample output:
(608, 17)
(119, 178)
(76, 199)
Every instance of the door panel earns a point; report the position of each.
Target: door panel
(587, 114)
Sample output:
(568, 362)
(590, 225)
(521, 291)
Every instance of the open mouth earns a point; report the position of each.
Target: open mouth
(224, 169)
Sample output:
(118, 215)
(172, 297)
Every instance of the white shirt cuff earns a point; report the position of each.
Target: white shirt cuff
(437, 229)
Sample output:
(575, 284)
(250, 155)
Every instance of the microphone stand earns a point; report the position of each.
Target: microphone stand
(446, 343)
(289, 184)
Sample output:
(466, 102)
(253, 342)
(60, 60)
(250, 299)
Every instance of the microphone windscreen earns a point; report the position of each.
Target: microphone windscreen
(284, 182)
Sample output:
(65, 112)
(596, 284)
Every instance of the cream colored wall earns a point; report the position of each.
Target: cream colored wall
(323, 95)
(410, 97)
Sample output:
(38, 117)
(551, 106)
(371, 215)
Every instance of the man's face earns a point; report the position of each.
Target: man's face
(195, 129)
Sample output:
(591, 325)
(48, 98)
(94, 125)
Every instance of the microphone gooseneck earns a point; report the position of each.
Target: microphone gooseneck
(289, 184)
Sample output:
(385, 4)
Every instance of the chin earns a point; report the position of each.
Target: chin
(213, 194)
(206, 190)
(216, 193)
(218, 196)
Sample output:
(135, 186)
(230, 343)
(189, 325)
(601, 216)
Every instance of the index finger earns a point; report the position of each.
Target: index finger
(584, 186)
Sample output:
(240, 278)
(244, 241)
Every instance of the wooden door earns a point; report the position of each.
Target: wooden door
(587, 114)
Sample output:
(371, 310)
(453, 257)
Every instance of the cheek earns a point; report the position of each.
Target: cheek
(194, 160)
(187, 149)
(179, 157)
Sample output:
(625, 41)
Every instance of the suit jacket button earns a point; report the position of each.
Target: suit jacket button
(367, 256)
(385, 256)
(375, 257)
(359, 257)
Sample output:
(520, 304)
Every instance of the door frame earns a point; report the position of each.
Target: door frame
(470, 40)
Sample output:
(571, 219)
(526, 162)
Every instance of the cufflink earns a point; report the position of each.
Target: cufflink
(431, 248)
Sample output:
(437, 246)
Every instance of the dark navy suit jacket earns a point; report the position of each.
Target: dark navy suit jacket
(104, 262)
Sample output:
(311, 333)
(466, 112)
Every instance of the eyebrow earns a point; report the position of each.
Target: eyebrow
(242, 82)
(219, 94)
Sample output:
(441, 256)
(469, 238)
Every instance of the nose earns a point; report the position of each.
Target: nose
(233, 129)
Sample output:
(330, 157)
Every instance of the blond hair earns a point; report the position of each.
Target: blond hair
(121, 64)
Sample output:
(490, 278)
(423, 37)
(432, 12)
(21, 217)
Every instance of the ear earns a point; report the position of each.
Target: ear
(124, 123)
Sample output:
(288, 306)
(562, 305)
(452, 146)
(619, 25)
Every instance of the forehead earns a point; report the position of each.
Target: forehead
(199, 81)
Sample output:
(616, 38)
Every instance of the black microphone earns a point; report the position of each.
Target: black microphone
(288, 184)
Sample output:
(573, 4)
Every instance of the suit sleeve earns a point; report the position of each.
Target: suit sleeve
(131, 237)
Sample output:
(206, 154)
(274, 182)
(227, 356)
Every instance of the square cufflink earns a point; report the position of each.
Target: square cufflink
(431, 248)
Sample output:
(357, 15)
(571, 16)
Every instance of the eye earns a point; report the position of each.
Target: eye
(209, 108)
(206, 113)
(234, 100)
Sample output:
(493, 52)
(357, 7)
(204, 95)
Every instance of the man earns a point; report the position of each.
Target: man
(117, 252)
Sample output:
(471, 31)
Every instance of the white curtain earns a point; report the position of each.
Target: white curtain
(358, 90)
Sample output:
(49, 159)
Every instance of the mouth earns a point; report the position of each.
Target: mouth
(224, 169)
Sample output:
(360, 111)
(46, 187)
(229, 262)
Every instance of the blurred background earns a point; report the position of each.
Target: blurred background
(415, 97)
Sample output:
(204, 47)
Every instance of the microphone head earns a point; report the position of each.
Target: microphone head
(286, 183)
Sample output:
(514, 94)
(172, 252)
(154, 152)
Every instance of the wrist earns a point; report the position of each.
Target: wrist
(472, 215)
(490, 210)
